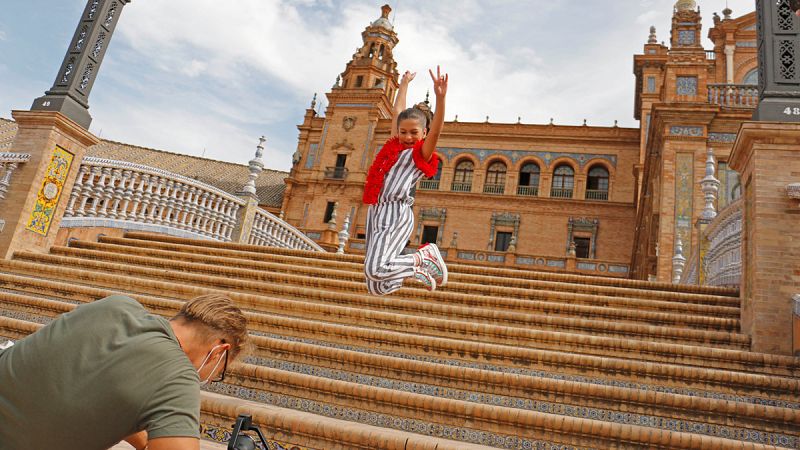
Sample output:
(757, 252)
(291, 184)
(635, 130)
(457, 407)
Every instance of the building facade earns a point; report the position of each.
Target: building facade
(514, 194)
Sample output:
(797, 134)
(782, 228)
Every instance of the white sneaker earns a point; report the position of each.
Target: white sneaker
(424, 277)
(432, 262)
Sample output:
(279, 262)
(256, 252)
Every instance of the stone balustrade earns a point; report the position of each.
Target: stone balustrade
(118, 194)
(108, 191)
(733, 95)
(723, 260)
(9, 162)
(271, 231)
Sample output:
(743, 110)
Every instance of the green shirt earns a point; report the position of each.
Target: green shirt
(94, 376)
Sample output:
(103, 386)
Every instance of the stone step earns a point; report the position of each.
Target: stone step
(531, 273)
(325, 311)
(292, 429)
(501, 275)
(283, 282)
(634, 403)
(788, 416)
(578, 343)
(496, 423)
(472, 284)
(664, 374)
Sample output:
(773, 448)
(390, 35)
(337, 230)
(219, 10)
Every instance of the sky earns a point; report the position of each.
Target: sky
(209, 77)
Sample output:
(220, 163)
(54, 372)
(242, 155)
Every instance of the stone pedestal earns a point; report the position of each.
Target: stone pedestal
(40, 190)
(767, 155)
(244, 224)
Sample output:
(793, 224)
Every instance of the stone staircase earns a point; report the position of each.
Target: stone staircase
(498, 358)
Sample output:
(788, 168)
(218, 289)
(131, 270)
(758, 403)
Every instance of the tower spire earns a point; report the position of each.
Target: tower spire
(74, 80)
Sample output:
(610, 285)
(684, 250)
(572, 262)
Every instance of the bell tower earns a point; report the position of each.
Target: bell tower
(334, 151)
(372, 67)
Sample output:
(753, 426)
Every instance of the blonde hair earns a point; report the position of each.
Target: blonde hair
(215, 316)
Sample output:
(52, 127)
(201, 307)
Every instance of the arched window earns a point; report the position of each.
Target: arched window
(751, 77)
(563, 182)
(462, 178)
(597, 184)
(529, 180)
(495, 178)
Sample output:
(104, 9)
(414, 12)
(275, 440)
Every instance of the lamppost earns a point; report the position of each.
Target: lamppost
(778, 60)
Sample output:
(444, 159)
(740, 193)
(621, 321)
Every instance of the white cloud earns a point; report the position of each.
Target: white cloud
(2, 35)
(183, 75)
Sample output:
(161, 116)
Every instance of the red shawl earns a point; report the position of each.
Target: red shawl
(386, 159)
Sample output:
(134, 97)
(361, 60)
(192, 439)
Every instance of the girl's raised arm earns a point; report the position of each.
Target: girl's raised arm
(440, 90)
(400, 99)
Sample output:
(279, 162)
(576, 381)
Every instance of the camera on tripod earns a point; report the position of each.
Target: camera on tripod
(240, 440)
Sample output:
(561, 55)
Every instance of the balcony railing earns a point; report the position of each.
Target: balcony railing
(596, 194)
(336, 173)
(494, 188)
(461, 187)
(560, 193)
(711, 55)
(429, 185)
(733, 95)
(530, 191)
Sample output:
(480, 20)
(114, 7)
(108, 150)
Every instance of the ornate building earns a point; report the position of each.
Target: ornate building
(513, 194)
(690, 102)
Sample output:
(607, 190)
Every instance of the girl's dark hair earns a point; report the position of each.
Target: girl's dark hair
(424, 117)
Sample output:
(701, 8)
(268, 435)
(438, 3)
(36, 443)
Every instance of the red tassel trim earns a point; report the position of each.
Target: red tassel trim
(430, 167)
(384, 161)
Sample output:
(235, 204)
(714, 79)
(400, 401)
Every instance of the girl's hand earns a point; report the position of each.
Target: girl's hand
(439, 82)
(407, 77)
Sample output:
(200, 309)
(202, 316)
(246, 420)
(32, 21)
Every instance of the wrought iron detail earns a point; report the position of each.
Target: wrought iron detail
(110, 15)
(92, 9)
(98, 45)
(81, 38)
(787, 57)
(785, 16)
(68, 71)
(87, 75)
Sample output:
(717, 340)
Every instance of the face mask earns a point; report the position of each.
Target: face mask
(205, 382)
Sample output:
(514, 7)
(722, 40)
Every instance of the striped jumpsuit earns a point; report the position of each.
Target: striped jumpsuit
(389, 226)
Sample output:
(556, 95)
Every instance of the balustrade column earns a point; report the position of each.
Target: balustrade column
(76, 191)
(126, 186)
(86, 191)
(160, 202)
(5, 183)
(138, 196)
(114, 192)
(101, 191)
(172, 189)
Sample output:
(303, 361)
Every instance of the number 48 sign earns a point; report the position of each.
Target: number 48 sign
(792, 111)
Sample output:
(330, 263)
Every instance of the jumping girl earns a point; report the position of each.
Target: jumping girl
(405, 158)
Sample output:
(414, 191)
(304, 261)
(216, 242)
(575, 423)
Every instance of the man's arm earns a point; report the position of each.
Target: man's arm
(138, 440)
(400, 99)
(174, 443)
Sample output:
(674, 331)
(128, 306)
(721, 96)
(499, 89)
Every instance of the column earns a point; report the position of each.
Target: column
(767, 155)
(37, 199)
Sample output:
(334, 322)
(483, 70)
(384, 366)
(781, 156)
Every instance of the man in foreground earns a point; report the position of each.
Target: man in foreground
(110, 370)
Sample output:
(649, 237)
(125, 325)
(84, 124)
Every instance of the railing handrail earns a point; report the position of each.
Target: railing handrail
(13, 157)
(266, 215)
(115, 164)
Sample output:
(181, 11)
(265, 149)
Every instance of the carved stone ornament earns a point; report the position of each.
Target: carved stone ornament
(348, 123)
(344, 143)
